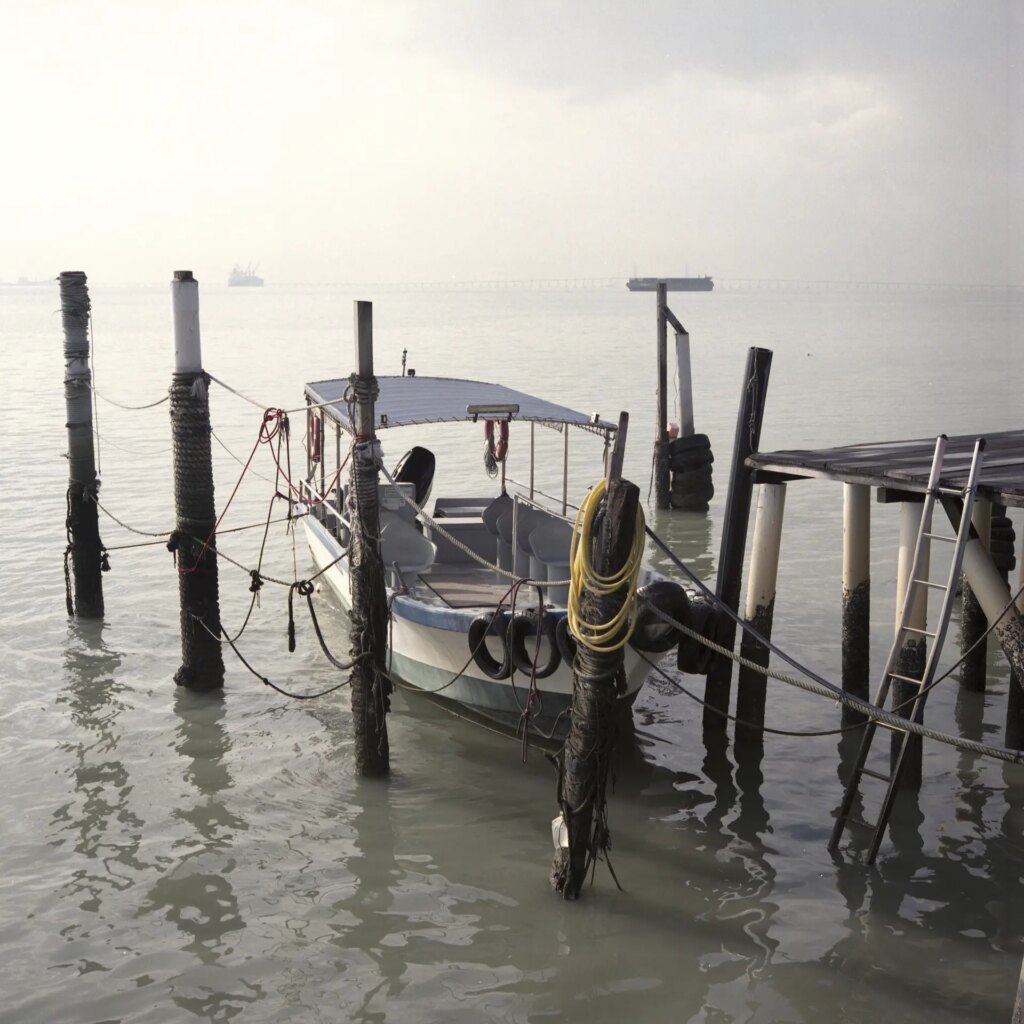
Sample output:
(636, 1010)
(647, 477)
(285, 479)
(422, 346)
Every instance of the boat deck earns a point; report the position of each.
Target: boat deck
(903, 466)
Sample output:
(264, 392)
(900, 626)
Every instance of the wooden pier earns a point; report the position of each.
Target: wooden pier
(899, 470)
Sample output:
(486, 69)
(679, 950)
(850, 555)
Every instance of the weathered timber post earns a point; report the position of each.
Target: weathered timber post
(194, 540)
(371, 689)
(587, 754)
(661, 451)
(734, 529)
(910, 660)
(751, 686)
(1018, 1004)
(856, 596)
(84, 546)
(972, 619)
(686, 422)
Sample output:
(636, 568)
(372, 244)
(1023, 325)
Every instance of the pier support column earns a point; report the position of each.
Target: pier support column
(856, 596)
(910, 660)
(1015, 694)
(734, 528)
(751, 686)
(84, 547)
(371, 688)
(972, 619)
(194, 540)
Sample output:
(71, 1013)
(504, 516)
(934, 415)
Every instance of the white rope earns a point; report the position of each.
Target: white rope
(872, 711)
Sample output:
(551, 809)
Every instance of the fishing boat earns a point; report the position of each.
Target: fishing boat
(244, 277)
(478, 585)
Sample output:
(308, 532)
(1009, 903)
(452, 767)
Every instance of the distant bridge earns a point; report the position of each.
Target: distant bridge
(721, 284)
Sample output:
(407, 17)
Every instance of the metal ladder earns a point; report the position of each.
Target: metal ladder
(954, 500)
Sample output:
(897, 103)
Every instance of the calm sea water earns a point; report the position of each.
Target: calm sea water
(169, 857)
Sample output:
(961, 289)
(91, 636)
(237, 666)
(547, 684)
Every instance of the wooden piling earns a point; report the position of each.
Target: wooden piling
(83, 557)
(973, 623)
(662, 483)
(685, 387)
(586, 756)
(734, 529)
(910, 660)
(371, 689)
(751, 686)
(194, 540)
(856, 597)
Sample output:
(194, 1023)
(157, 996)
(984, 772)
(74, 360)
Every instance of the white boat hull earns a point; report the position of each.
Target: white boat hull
(435, 657)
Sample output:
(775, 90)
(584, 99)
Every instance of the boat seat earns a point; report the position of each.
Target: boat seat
(490, 516)
(402, 544)
(550, 542)
(391, 500)
(519, 548)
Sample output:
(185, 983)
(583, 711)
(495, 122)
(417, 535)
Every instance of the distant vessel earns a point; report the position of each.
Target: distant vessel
(673, 284)
(245, 277)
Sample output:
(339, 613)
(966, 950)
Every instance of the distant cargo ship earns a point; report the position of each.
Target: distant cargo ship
(673, 284)
(245, 278)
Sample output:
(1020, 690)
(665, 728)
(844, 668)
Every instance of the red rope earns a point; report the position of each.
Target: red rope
(273, 425)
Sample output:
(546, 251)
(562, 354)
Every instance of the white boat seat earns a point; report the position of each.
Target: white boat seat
(490, 517)
(550, 543)
(525, 520)
(402, 544)
(391, 500)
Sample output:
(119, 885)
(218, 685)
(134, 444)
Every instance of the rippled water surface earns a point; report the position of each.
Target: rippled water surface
(170, 857)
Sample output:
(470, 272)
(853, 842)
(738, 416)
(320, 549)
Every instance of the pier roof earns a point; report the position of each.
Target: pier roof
(905, 465)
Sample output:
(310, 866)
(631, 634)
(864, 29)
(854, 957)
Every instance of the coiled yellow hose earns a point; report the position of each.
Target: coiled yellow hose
(602, 637)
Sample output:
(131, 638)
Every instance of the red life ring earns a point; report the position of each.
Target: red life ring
(500, 450)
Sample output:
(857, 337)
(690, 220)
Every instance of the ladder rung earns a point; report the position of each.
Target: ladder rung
(929, 583)
(940, 536)
(957, 491)
(876, 775)
(914, 629)
(905, 679)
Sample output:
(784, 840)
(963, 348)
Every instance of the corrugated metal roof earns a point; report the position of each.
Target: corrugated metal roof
(404, 401)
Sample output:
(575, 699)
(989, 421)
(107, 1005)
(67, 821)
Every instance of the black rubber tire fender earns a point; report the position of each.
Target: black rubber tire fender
(567, 645)
(490, 624)
(689, 443)
(524, 622)
(651, 634)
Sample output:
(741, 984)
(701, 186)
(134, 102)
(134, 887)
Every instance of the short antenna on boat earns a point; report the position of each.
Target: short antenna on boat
(405, 352)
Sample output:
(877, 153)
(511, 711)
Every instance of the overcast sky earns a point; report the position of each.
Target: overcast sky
(386, 140)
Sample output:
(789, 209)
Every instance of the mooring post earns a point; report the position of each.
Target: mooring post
(751, 686)
(662, 483)
(734, 528)
(973, 623)
(588, 750)
(194, 541)
(910, 660)
(856, 655)
(371, 688)
(84, 547)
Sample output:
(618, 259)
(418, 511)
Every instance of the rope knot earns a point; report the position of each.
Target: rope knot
(257, 581)
(104, 561)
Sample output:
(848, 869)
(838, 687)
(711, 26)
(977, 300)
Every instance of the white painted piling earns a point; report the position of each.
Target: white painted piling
(194, 540)
(686, 425)
(972, 619)
(760, 607)
(910, 660)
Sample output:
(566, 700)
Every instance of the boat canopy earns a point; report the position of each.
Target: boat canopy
(404, 401)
